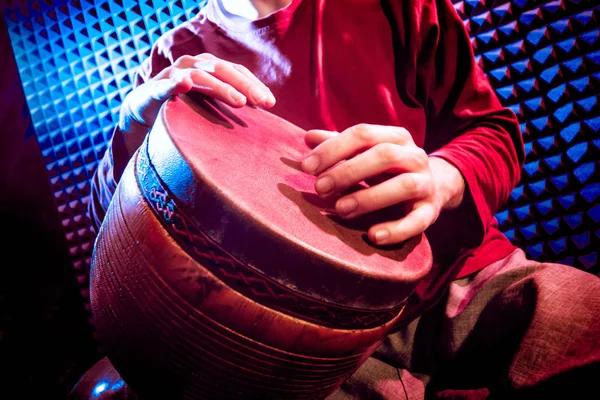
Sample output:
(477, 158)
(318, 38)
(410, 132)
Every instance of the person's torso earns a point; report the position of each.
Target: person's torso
(327, 69)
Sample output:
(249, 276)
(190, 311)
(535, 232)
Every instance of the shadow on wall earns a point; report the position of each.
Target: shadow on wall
(45, 339)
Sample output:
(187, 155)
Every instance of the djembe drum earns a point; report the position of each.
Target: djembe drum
(219, 273)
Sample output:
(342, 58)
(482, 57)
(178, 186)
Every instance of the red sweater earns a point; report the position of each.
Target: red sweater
(333, 64)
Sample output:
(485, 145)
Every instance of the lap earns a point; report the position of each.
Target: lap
(515, 325)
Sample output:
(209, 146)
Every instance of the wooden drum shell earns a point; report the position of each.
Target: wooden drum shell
(248, 312)
(186, 337)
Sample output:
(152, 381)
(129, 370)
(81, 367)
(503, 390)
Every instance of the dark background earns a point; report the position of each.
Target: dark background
(66, 66)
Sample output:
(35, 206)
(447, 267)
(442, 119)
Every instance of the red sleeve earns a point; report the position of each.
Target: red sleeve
(116, 156)
(467, 125)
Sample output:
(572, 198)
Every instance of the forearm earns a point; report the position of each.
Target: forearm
(102, 188)
(120, 148)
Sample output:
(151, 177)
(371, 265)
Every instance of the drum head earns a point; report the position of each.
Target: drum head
(233, 177)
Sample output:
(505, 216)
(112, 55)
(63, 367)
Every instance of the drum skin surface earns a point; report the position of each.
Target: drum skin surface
(219, 273)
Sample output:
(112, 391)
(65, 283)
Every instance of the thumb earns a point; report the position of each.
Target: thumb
(315, 137)
(144, 102)
(162, 89)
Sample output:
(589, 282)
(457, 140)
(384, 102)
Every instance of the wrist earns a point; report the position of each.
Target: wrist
(450, 184)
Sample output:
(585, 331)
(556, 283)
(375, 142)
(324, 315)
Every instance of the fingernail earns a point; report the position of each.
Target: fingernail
(324, 185)
(346, 206)
(237, 96)
(381, 236)
(258, 95)
(271, 99)
(310, 164)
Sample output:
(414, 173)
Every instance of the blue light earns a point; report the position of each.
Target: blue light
(510, 234)
(117, 385)
(576, 152)
(560, 26)
(558, 246)
(535, 36)
(542, 55)
(551, 226)
(574, 65)
(584, 171)
(517, 193)
(529, 231)
(534, 104)
(546, 142)
(506, 92)
(553, 162)
(540, 123)
(535, 250)
(550, 74)
(538, 187)
(528, 17)
(99, 388)
(508, 29)
(556, 93)
(502, 217)
(590, 192)
(564, 112)
(527, 85)
(544, 207)
(522, 212)
(593, 124)
(571, 131)
(514, 48)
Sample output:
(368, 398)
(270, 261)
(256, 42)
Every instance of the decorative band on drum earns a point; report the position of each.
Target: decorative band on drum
(237, 275)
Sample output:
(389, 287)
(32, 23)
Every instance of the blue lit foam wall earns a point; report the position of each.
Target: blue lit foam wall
(544, 62)
(77, 60)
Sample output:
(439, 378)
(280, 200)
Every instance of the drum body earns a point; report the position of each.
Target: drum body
(219, 273)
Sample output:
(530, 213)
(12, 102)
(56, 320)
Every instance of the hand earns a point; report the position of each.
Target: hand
(231, 83)
(387, 155)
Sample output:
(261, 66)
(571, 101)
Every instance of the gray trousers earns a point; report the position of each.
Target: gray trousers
(517, 329)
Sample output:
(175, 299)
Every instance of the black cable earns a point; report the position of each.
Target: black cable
(402, 382)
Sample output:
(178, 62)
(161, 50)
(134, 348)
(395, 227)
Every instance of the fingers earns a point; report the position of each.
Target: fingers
(207, 84)
(239, 78)
(395, 190)
(246, 72)
(352, 141)
(231, 83)
(406, 187)
(315, 137)
(191, 72)
(235, 75)
(381, 158)
(383, 154)
(414, 223)
(162, 89)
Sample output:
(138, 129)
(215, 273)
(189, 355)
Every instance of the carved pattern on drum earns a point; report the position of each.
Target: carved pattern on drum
(239, 276)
